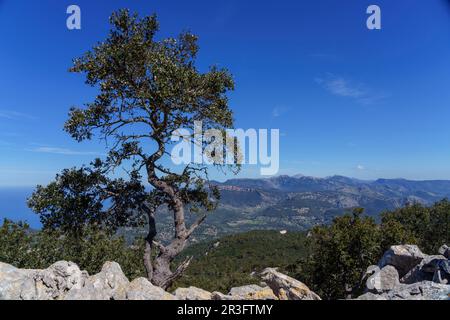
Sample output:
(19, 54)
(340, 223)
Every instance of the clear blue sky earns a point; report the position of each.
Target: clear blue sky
(347, 100)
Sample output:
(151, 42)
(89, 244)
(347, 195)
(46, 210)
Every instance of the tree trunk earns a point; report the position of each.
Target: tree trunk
(158, 270)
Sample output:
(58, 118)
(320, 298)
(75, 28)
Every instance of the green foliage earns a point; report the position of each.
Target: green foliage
(15, 243)
(428, 227)
(21, 247)
(330, 260)
(232, 260)
(339, 254)
(85, 197)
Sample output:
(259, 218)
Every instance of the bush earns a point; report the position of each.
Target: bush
(21, 247)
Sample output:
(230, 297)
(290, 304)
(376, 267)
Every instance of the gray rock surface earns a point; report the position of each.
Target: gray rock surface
(252, 292)
(108, 284)
(427, 279)
(287, 288)
(48, 284)
(192, 293)
(142, 289)
(383, 280)
(403, 258)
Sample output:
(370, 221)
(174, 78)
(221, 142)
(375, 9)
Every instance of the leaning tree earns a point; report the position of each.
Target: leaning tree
(147, 90)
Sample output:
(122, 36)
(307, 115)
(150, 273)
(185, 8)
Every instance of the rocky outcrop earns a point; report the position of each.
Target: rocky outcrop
(405, 273)
(252, 292)
(108, 284)
(65, 281)
(383, 280)
(403, 258)
(192, 293)
(287, 288)
(142, 289)
(49, 284)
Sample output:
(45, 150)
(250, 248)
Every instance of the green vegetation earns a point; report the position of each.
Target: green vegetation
(24, 248)
(341, 252)
(330, 259)
(231, 261)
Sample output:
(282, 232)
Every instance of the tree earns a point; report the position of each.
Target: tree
(427, 227)
(148, 89)
(340, 253)
(15, 243)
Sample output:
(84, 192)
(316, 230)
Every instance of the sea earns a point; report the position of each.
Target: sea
(13, 206)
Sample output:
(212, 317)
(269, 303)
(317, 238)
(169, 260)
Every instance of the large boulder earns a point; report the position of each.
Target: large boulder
(12, 281)
(403, 258)
(252, 292)
(287, 288)
(109, 284)
(425, 290)
(48, 284)
(383, 280)
(142, 289)
(425, 270)
(371, 296)
(192, 293)
(56, 281)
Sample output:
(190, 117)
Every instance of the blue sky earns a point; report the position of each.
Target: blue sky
(347, 100)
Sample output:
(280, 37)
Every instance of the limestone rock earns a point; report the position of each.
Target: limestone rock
(192, 293)
(287, 288)
(371, 296)
(108, 284)
(142, 289)
(56, 281)
(220, 296)
(383, 280)
(52, 283)
(425, 290)
(425, 270)
(252, 292)
(12, 281)
(403, 258)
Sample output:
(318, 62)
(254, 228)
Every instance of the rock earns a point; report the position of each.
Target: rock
(12, 282)
(48, 284)
(425, 270)
(108, 284)
(383, 280)
(192, 293)
(142, 289)
(445, 251)
(370, 271)
(371, 296)
(252, 292)
(403, 258)
(220, 296)
(425, 290)
(56, 281)
(287, 288)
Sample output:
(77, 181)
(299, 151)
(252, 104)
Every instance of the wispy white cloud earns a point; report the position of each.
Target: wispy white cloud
(279, 111)
(360, 167)
(343, 87)
(14, 115)
(63, 151)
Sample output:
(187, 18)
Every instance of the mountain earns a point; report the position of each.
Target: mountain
(297, 203)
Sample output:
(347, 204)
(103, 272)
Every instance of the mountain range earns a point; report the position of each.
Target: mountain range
(299, 202)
